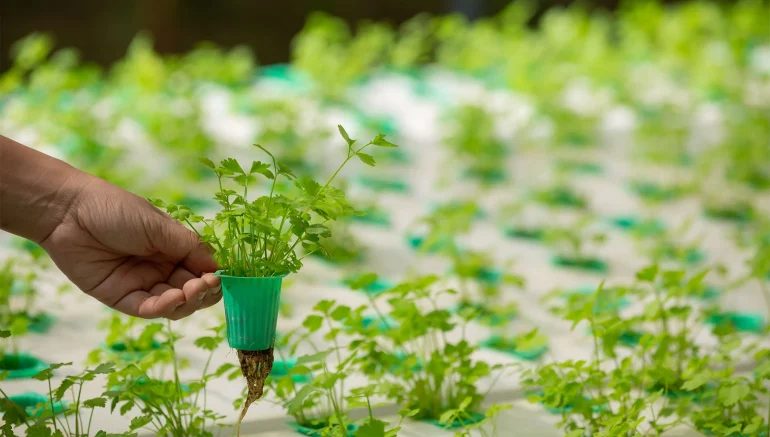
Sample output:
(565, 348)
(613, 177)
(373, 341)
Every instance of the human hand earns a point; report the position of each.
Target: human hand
(118, 248)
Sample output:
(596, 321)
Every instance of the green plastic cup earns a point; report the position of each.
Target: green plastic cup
(251, 310)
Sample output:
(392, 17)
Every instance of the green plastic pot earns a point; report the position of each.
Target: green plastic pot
(21, 365)
(36, 404)
(251, 310)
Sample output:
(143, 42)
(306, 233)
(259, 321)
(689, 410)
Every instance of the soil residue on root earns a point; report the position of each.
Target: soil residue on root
(256, 366)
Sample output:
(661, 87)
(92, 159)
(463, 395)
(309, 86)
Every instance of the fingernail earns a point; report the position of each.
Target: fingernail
(202, 296)
(177, 307)
(216, 290)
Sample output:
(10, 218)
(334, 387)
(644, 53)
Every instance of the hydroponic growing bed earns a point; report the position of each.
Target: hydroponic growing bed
(570, 241)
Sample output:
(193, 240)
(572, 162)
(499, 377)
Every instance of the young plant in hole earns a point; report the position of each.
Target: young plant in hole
(669, 349)
(19, 292)
(473, 141)
(128, 339)
(320, 404)
(522, 219)
(258, 242)
(173, 407)
(736, 401)
(560, 195)
(65, 413)
(576, 245)
(608, 394)
(479, 284)
(676, 246)
(436, 375)
(442, 227)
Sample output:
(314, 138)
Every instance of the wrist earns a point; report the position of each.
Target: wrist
(37, 192)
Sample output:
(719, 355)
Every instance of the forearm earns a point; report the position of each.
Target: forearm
(36, 190)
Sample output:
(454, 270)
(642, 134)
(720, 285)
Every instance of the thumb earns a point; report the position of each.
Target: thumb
(174, 240)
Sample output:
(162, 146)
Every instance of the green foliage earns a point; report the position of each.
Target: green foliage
(472, 140)
(261, 238)
(48, 421)
(434, 374)
(173, 407)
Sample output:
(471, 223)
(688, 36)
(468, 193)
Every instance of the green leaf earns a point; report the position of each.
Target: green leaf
(366, 159)
(732, 394)
(313, 322)
(140, 421)
(647, 274)
(95, 402)
(63, 387)
(232, 165)
(363, 281)
(314, 358)
(261, 168)
(104, 369)
(380, 141)
(207, 162)
(318, 229)
(208, 343)
(373, 428)
(295, 405)
(4, 333)
(340, 313)
(345, 135)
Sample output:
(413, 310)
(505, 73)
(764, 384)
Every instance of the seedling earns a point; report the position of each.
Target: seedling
(435, 375)
(259, 240)
(560, 196)
(529, 346)
(473, 141)
(318, 401)
(168, 406)
(575, 244)
(51, 416)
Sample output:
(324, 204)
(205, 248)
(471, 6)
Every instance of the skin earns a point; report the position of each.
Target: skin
(113, 245)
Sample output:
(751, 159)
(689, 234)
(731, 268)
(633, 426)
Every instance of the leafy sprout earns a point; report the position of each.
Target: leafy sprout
(263, 237)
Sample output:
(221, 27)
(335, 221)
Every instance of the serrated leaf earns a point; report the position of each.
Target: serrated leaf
(95, 403)
(104, 369)
(232, 165)
(380, 141)
(313, 358)
(373, 428)
(732, 394)
(207, 343)
(366, 159)
(363, 281)
(313, 322)
(345, 135)
(207, 162)
(140, 421)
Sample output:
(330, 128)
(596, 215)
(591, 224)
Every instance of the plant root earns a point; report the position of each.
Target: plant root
(255, 366)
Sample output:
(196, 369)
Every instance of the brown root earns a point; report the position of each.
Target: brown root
(256, 366)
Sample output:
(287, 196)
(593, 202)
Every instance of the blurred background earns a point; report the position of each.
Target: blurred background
(102, 30)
